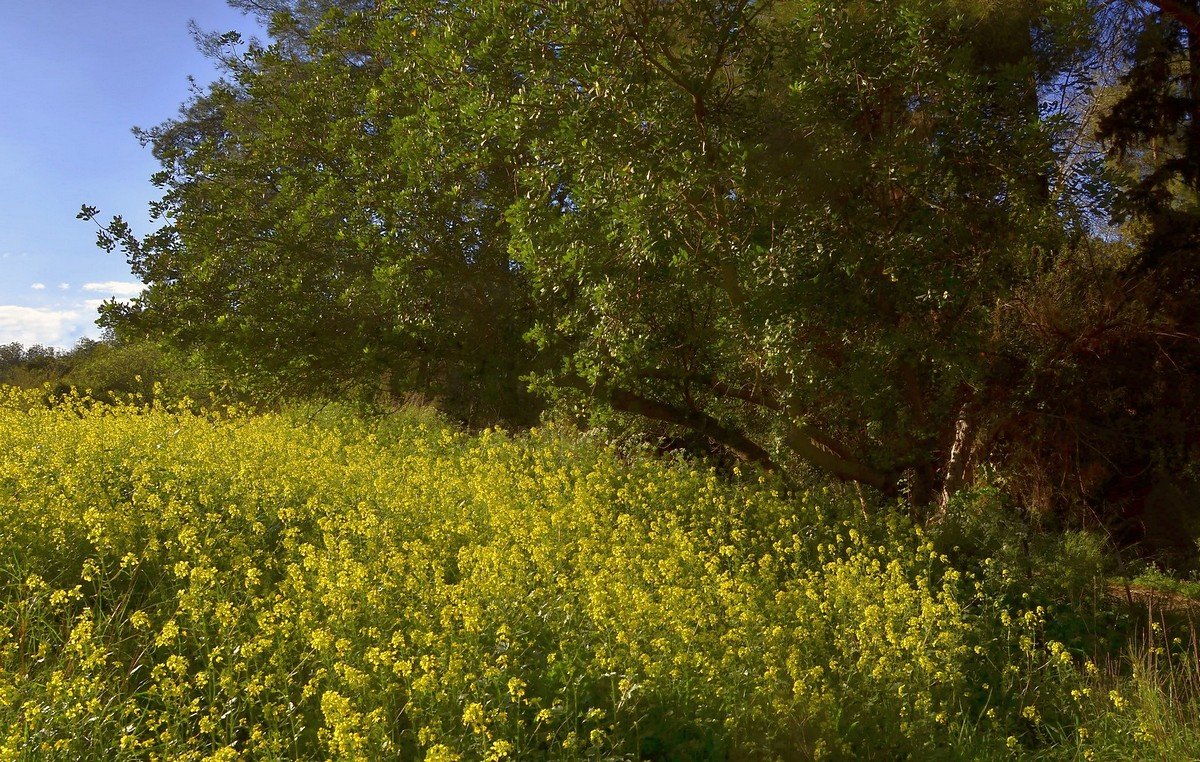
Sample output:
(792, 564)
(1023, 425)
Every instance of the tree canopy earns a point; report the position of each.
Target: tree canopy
(849, 236)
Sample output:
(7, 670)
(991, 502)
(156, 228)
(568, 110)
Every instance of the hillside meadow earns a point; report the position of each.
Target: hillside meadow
(318, 585)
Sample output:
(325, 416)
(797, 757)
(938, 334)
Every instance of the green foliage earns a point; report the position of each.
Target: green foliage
(1155, 580)
(312, 245)
(31, 366)
(1101, 389)
(852, 238)
(115, 371)
(784, 226)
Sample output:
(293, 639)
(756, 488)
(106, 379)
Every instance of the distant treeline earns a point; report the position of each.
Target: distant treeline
(106, 369)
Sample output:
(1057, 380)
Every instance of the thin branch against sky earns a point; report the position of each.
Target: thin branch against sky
(77, 77)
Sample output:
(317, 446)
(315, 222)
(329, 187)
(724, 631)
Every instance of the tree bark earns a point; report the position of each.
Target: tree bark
(702, 423)
(960, 456)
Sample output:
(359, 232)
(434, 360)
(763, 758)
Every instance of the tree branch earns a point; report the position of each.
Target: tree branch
(810, 443)
(1188, 18)
(806, 442)
(702, 423)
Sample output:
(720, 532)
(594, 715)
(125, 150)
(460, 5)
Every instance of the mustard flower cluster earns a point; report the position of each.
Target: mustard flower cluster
(225, 586)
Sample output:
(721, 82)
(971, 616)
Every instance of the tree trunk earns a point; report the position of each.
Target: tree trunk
(960, 455)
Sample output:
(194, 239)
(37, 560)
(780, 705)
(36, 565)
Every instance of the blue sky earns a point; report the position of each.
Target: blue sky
(75, 77)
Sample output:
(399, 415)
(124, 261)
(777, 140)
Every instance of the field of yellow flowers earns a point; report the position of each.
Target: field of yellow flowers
(178, 586)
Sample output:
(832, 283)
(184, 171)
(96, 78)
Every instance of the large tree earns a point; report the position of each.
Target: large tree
(789, 226)
(795, 228)
(309, 242)
(1126, 389)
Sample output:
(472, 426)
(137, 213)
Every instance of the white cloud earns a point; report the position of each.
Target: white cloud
(29, 325)
(64, 323)
(115, 288)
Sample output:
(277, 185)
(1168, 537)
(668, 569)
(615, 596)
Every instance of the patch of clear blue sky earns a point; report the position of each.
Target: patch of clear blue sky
(75, 77)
